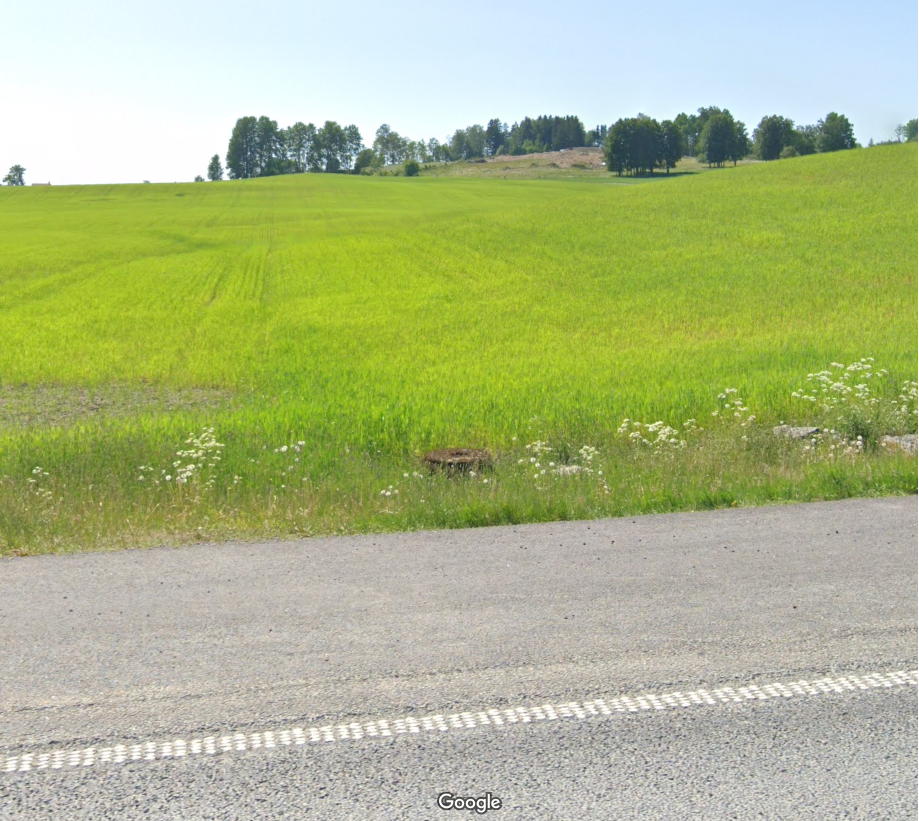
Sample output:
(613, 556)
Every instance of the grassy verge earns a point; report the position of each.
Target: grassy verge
(388, 494)
(214, 487)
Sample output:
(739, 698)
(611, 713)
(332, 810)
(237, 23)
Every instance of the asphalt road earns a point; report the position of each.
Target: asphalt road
(360, 677)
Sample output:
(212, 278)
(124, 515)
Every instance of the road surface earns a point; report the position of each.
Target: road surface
(750, 663)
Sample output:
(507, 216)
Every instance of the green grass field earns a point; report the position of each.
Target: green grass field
(374, 318)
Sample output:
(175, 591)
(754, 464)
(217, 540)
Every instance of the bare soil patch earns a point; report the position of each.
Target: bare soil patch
(589, 158)
(23, 406)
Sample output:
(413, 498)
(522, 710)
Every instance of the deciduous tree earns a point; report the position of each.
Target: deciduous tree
(458, 144)
(690, 125)
(672, 144)
(475, 142)
(15, 176)
(716, 141)
(313, 158)
(354, 144)
(772, 135)
(741, 145)
(836, 133)
(422, 150)
(634, 146)
(804, 139)
(616, 150)
(333, 146)
(389, 145)
(269, 148)
(298, 140)
(242, 152)
(644, 145)
(363, 160)
(701, 119)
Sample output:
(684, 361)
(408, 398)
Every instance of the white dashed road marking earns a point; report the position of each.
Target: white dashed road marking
(294, 736)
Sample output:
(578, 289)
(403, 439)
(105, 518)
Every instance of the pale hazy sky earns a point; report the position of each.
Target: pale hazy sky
(103, 91)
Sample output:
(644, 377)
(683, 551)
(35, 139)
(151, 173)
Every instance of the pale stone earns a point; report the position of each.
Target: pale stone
(906, 442)
(792, 432)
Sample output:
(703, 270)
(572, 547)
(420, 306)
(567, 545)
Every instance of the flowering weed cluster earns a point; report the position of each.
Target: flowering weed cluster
(859, 401)
(35, 484)
(538, 454)
(661, 437)
(204, 452)
(192, 465)
(657, 436)
(841, 385)
(544, 466)
(733, 408)
(854, 406)
(290, 456)
(830, 444)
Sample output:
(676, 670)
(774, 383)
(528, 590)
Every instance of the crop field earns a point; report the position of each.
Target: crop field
(271, 357)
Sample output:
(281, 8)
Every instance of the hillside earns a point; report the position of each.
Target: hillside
(372, 318)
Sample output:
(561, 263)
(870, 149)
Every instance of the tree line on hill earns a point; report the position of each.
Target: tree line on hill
(531, 136)
(638, 145)
(259, 148)
(635, 145)
(777, 137)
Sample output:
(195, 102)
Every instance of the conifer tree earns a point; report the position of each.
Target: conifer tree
(215, 169)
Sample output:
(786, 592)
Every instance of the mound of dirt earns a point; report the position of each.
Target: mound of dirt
(589, 158)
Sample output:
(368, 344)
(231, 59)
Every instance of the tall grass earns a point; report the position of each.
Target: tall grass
(375, 318)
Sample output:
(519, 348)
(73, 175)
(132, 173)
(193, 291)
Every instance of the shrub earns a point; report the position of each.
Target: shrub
(788, 152)
(411, 168)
